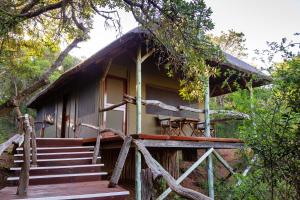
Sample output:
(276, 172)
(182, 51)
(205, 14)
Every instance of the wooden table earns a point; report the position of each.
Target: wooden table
(193, 124)
(186, 122)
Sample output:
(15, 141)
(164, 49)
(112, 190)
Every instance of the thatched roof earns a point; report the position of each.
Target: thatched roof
(121, 45)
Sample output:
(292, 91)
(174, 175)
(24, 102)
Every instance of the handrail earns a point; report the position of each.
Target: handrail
(155, 167)
(16, 139)
(28, 132)
(44, 122)
(24, 174)
(33, 143)
(162, 105)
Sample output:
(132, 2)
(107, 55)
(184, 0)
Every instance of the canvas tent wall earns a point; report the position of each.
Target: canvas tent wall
(84, 90)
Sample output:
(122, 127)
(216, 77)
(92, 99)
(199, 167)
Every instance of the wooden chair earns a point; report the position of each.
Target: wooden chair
(199, 130)
(167, 126)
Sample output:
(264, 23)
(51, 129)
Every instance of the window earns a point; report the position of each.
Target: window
(86, 101)
(170, 97)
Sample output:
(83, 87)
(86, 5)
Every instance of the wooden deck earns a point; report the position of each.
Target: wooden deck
(166, 141)
(65, 171)
(81, 190)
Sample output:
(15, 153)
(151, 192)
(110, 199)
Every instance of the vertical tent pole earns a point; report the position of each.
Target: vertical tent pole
(138, 167)
(250, 87)
(210, 175)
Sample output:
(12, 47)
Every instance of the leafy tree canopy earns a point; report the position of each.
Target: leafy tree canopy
(35, 27)
(273, 134)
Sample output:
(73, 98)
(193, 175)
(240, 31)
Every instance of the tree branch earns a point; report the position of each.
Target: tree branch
(41, 10)
(29, 6)
(44, 79)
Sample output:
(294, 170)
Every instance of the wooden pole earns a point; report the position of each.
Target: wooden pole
(33, 145)
(42, 131)
(252, 105)
(210, 175)
(138, 158)
(24, 174)
(96, 149)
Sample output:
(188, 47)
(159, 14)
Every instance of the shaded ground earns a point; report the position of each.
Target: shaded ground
(6, 161)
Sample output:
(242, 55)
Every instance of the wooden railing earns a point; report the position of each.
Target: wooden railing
(44, 122)
(162, 105)
(29, 145)
(23, 139)
(156, 169)
(14, 140)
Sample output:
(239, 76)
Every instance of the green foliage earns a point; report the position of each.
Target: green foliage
(288, 80)
(187, 48)
(18, 73)
(179, 27)
(7, 127)
(273, 133)
(274, 138)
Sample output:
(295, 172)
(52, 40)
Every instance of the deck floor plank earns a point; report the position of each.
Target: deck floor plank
(65, 189)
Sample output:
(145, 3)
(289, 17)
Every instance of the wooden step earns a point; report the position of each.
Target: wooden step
(58, 142)
(60, 161)
(80, 190)
(60, 149)
(50, 170)
(79, 154)
(59, 178)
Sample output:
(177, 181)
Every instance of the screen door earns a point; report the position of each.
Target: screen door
(115, 88)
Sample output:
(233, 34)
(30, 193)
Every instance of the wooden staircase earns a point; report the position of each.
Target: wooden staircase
(65, 171)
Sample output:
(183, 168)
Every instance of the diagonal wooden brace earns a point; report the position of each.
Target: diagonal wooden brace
(186, 173)
(120, 162)
(226, 165)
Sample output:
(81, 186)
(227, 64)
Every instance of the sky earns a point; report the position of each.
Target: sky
(259, 20)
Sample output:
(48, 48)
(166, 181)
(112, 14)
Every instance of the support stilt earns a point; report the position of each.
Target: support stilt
(210, 174)
(250, 87)
(138, 167)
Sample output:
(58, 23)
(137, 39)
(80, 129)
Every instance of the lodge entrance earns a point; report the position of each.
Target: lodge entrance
(68, 117)
(65, 117)
(115, 88)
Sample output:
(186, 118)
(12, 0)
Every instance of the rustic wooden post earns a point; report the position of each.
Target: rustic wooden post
(138, 158)
(210, 175)
(42, 131)
(96, 149)
(252, 105)
(120, 162)
(33, 145)
(24, 174)
(148, 191)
